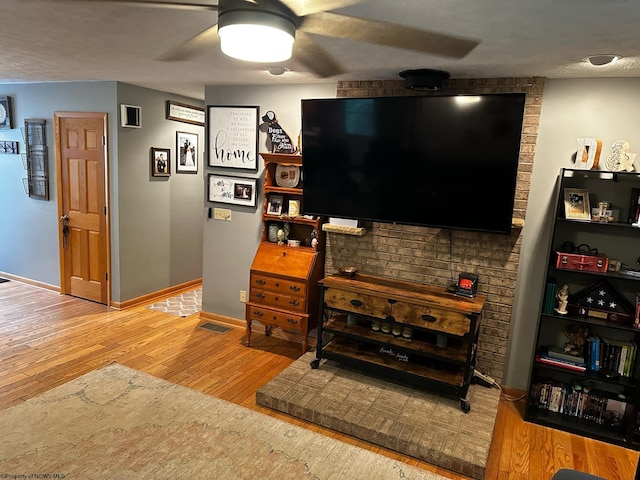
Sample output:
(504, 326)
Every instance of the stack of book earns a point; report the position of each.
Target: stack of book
(557, 357)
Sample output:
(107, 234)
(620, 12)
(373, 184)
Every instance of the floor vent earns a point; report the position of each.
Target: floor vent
(215, 327)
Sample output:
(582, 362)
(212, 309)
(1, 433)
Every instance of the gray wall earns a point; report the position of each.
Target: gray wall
(156, 224)
(229, 247)
(29, 227)
(159, 223)
(602, 108)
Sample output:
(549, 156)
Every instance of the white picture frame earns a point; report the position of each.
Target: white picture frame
(186, 152)
(576, 204)
(232, 190)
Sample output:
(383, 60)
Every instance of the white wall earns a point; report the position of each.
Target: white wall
(229, 247)
(603, 108)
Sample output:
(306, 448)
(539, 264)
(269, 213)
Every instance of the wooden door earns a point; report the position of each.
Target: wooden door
(82, 204)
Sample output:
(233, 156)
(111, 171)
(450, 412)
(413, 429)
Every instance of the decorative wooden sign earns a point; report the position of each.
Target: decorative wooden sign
(620, 159)
(279, 141)
(588, 154)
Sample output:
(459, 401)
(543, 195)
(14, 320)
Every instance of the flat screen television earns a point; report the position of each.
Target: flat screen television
(437, 161)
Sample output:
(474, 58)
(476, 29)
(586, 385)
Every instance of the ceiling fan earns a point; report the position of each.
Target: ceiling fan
(292, 21)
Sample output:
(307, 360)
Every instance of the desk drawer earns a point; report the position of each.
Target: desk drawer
(275, 284)
(437, 319)
(280, 319)
(278, 300)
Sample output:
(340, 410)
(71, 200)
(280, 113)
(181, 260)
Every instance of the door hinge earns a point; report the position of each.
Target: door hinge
(104, 140)
(106, 276)
(105, 210)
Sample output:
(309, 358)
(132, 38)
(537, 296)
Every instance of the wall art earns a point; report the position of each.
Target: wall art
(233, 190)
(187, 152)
(232, 137)
(5, 112)
(160, 162)
(181, 112)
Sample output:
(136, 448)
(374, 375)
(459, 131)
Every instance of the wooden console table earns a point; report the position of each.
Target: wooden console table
(420, 335)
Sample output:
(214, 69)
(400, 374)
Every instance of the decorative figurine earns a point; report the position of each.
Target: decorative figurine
(577, 336)
(278, 139)
(563, 300)
(281, 236)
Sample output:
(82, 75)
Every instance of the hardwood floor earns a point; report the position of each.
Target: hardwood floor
(46, 339)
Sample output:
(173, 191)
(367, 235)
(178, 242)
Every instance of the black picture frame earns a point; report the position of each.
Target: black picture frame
(160, 162)
(232, 136)
(187, 149)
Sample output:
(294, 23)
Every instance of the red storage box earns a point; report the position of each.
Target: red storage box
(576, 261)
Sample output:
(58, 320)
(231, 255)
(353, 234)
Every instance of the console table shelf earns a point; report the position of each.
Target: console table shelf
(417, 334)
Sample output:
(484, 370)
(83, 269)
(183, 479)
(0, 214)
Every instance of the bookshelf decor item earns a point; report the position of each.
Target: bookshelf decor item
(576, 204)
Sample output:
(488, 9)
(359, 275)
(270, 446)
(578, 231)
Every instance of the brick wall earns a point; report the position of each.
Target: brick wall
(435, 256)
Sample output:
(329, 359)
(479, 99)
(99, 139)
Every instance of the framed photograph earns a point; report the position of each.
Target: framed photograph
(187, 152)
(160, 162)
(232, 137)
(5, 112)
(576, 204)
(233, 190)
(275, 205)
(181, 112)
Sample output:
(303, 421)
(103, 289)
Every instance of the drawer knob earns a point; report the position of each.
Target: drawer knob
(261, 282)
(355, 303)
(292, 320)
(294, 288)
(429, 318)
(277, 284)
(260, 295)
(391, 301)
(257, 313)
(294, 303)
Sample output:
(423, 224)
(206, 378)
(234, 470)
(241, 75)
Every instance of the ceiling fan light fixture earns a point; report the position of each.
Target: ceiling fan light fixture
(603, 59)
(256, 36)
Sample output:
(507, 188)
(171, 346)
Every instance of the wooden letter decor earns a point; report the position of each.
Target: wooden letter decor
(588, 154)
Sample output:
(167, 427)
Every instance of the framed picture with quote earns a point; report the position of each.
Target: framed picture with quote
(232, 137)
(5, 112)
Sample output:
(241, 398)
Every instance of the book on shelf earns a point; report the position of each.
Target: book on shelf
(550, 297)
(558, 352)
(557, 362)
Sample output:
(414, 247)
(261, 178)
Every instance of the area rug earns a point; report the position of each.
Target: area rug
(409, 420)
(116, 422)
(182, 305)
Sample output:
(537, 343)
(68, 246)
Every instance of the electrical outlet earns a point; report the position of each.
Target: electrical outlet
(243, 295)
(222, 214)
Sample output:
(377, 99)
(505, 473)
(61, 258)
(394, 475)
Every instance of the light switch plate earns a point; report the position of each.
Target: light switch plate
(222, 214)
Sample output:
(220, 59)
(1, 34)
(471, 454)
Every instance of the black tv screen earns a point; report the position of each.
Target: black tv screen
(439, 161)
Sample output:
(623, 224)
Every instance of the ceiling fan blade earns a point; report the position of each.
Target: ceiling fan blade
(307, 7)
(314, 57)
(389, 34)
(174, 4)
(197, 45)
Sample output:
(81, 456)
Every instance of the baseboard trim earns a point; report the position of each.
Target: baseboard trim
(28, 281)
(155, 296)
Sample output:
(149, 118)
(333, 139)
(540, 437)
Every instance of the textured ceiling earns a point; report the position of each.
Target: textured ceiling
(61, 40)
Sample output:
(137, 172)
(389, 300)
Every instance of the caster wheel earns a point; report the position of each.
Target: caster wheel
(464, 405)
(315, 363)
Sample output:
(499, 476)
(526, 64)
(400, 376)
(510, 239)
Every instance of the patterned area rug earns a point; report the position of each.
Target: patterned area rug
(412, 421)
(182, 305)
(120, 423)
